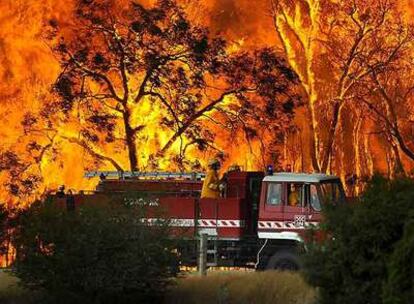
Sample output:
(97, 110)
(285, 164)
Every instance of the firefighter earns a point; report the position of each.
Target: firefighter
(212, 181)
(294, 195)
(61, 191)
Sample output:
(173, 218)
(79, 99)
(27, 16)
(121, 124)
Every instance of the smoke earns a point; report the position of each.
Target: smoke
(236, 20)
(410, 9)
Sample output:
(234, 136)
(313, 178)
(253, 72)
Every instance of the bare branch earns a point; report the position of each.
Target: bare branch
(92, 152)
(92, 73)
(165, 103)
(197, 115)
(141, 90)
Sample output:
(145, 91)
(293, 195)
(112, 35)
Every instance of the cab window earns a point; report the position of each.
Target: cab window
(314, 198)
(274, 194)
(332, 192)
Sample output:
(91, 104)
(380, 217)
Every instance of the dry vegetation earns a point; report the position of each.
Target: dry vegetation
(11, 293)
(252, 287)
(230, 287)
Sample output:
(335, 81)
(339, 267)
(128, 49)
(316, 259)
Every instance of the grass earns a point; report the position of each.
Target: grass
(237, 287)
(11, 293)
(215, 288)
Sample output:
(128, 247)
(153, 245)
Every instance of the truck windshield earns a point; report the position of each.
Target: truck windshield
(332, 192)
(274, 194)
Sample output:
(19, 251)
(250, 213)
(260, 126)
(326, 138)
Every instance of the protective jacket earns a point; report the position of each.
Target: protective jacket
(293, 198)
(211, 185)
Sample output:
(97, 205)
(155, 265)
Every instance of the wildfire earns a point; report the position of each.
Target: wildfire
(330, 133)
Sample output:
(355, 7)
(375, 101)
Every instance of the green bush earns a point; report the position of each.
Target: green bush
(350, 265)
(399, 287)
(96, 254)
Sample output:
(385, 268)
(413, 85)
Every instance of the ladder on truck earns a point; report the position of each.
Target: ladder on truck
(211, 237)
(145, 175)
(207, 253)
(212, 252)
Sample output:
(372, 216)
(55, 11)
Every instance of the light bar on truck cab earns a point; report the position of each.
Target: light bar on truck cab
(290, 177)
(145, 175)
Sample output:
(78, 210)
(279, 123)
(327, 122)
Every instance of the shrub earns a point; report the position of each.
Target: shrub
(96, 254)
(350, 266)
(4, 215)
(8, 220)
(399, 287)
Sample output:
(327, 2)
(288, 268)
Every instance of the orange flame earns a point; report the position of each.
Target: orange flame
(28, 69)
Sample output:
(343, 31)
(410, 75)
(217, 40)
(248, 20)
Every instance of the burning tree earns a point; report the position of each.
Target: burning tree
(389, 97)
(336, 48)
(21, 177)
(201, 94)
(132, 74)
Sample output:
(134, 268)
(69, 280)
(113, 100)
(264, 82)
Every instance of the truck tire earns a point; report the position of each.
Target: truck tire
(284, 260)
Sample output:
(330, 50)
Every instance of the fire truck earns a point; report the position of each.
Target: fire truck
(260, 221)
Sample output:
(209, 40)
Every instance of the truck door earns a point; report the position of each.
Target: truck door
(273, 202)
(314, 203)
(296, 210)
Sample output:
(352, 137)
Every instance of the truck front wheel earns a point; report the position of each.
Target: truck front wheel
(284, 260)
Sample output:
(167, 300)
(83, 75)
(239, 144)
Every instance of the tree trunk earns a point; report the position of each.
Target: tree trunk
(392, 120)
(369, 162)
(130, 142)
(314, 137)
(407, 151)
(397, 167)
(357, 152)
(331, 136)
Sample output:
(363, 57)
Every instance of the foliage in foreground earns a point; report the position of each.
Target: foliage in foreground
(366, 260)
(96, 254)
(399, 287)
(4, 215)
(270, 287)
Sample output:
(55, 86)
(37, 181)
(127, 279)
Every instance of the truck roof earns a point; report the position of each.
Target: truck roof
(299, 177)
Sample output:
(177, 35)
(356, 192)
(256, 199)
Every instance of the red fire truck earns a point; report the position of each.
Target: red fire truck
(259, 221)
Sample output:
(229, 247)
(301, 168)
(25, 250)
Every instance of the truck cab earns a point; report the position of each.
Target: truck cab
(290, 203)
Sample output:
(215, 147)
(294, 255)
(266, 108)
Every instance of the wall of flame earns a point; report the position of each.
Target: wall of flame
(28, 68)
